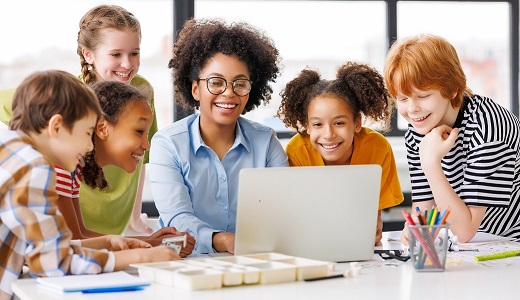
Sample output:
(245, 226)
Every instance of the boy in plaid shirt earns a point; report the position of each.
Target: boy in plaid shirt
(54, 115)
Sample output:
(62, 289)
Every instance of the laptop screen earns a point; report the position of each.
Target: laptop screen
(326, 213)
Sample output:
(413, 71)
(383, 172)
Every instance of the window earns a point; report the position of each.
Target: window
(488, 49)
(318, 34)
(40, 35)
(483, 47)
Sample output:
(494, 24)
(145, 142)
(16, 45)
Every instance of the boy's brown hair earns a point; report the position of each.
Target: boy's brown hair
(47, 93)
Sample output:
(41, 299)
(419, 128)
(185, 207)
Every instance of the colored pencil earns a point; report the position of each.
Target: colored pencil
(433, 216)
(424, 240)
(498, 255)
(441, 220)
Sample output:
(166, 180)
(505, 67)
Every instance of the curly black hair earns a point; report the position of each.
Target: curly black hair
(114, 98)
(200, 39)
(359, 85)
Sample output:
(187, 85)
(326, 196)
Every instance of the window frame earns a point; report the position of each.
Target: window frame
(185, 9)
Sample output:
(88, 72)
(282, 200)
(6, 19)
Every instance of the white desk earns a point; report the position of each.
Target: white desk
(379, 279)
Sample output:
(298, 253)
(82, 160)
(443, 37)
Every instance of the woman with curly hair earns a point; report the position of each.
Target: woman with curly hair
(223, 71)
(328, 117)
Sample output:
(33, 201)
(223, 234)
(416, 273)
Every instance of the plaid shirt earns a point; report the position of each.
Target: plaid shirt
(32, 230)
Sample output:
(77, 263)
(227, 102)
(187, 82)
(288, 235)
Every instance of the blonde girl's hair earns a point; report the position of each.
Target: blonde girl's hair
(91, 29)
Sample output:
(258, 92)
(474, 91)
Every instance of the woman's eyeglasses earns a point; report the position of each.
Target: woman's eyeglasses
(218, 85)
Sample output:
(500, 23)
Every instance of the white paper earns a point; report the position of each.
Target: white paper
(75, 283)
(485, 238)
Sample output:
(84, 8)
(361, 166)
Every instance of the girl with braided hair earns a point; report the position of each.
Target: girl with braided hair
(110, 200)
(109, 39)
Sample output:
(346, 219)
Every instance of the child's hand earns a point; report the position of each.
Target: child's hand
(117, 242)
(436, 144)
(190, 244)
(164, 232)
(155, 239)
(134, 256)
(160, 253)
(136, 243)
(379, 228)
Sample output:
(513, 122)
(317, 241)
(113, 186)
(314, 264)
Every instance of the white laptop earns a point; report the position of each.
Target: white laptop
(325, 213)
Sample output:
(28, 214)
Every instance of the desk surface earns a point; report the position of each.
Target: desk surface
(378, 279)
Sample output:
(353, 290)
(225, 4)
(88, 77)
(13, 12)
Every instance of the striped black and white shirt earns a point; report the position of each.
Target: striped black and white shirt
(483, 167)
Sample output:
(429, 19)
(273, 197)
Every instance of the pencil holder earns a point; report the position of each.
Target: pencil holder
(428, 246)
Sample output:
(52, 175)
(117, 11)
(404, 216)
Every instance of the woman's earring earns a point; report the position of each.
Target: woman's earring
(89, 67)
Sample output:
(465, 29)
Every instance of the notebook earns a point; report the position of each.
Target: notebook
(324, 213)
(96, 283)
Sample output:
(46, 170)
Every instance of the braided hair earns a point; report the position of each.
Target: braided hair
(91, 29)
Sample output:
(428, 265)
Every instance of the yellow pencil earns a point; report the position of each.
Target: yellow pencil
(433, 216)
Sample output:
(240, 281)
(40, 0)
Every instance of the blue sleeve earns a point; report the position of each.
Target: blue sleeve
(172, 195)
(276, 156)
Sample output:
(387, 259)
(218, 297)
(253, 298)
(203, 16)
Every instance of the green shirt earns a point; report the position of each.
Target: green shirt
(110, 211)
(6, 105)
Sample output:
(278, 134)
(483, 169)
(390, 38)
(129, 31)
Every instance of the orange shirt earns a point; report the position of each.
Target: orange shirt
(370, 147)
